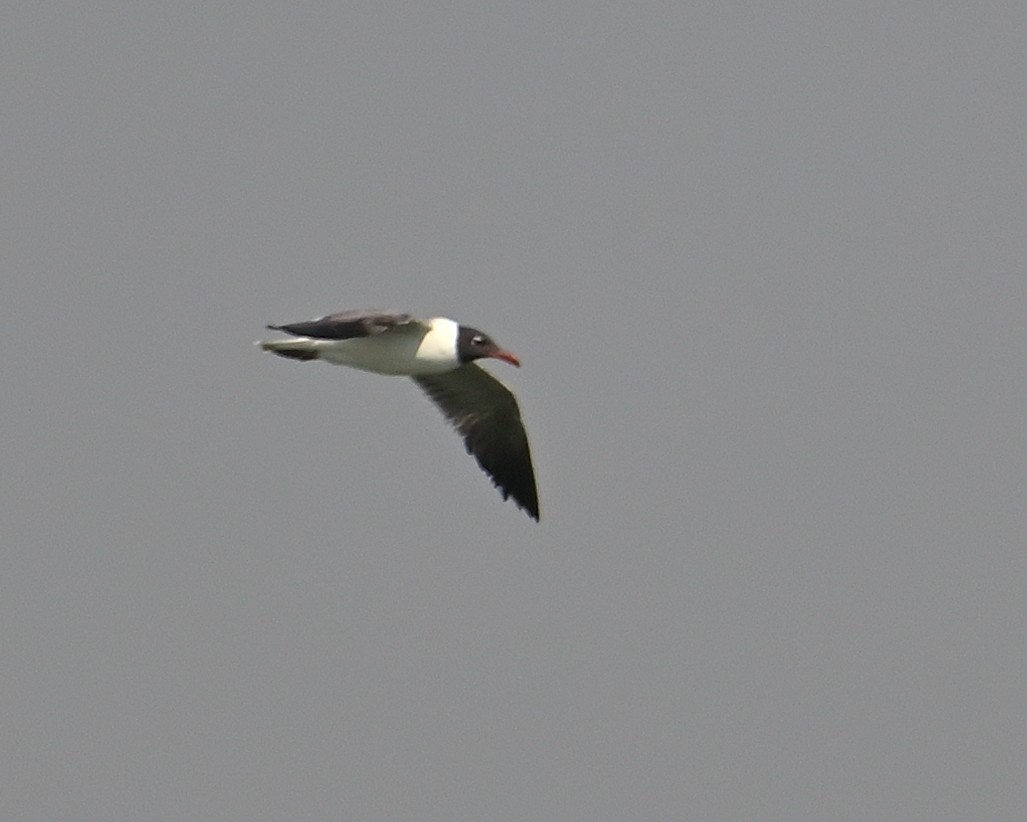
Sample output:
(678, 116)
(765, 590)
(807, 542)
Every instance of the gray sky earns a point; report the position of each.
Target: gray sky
(764, 265)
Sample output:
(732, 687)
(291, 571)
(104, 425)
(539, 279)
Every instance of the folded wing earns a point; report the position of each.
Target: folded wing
(347, 325)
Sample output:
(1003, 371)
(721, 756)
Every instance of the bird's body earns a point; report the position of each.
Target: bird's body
(405, 349)
(439, 354)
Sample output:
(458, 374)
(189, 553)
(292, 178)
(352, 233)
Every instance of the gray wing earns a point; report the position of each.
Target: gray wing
(485, 413)
(347, 325)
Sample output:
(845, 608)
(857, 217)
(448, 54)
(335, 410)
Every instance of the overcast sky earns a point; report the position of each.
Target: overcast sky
(764, 265)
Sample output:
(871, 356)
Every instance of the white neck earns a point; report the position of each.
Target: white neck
(438, 348)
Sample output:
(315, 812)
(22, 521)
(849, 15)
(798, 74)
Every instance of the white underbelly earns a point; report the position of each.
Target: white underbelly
(388, 353)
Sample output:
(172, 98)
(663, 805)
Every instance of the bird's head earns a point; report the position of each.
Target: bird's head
(472, 344)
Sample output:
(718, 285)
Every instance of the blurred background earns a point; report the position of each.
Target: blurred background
(764, 266)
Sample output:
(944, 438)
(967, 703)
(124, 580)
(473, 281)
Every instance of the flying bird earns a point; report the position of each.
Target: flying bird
(439, 355)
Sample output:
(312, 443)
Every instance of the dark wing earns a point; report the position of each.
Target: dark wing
(485, 412)
(346, 325)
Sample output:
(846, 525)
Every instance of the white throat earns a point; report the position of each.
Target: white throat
(438, 349)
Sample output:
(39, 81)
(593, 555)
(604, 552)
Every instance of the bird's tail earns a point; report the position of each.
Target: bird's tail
(301, 349)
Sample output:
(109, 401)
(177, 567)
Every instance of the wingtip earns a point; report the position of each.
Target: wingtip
(529, 506)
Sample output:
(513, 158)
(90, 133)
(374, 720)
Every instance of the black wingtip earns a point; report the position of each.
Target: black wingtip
(531, 511)
(294, 354)
(528, 504)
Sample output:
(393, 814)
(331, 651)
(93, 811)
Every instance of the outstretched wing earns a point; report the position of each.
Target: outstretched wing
(485, 413)
(347, 325)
